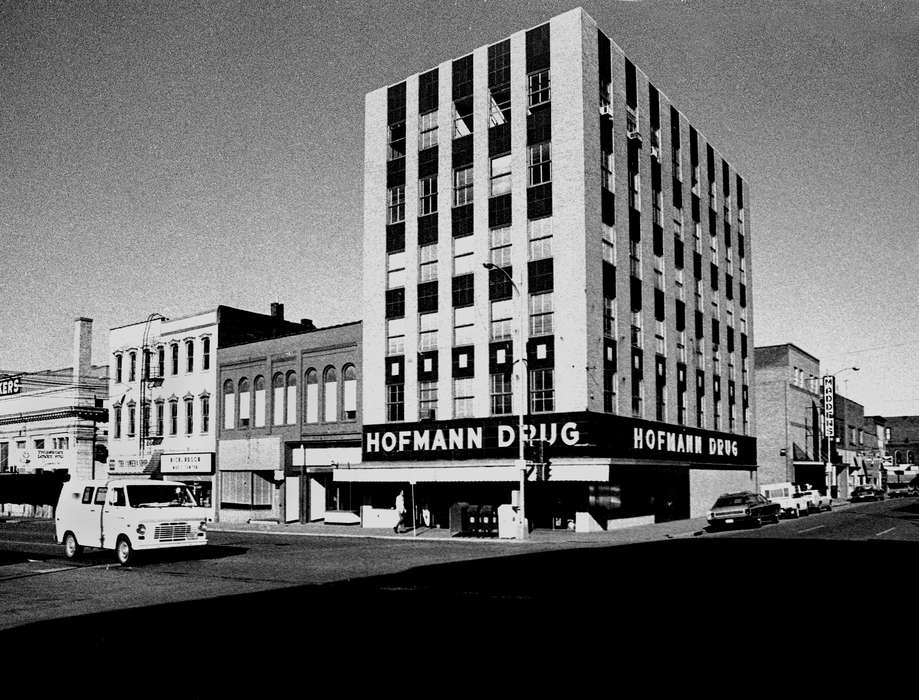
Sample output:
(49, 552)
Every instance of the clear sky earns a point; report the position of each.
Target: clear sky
(173, 156)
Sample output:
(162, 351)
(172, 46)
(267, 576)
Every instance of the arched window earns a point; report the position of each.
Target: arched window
(161, 361)
(132, 366)
(291, 384)
(229, 405)
(909, 457)
(259, 387)
(897, 457)
(117, 420)
(189, 402)
(277, 399)
(205, 353)
(173, 416)
(349, 377)
(175, 358)
(132, 419)
(330, 391)
(189, 355)
(205, 404)
(119, 364)
(311, 391)
(244, 400)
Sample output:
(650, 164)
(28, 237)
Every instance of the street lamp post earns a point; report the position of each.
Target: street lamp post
(830, 475)
(520, 364)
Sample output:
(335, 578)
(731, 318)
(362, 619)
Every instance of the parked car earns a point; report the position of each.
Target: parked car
(788, 496)
(866, 493)
(742, 508)
(900, 490)
(816, 501)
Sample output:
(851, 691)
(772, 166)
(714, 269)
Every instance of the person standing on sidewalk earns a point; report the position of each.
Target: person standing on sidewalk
(400, 510)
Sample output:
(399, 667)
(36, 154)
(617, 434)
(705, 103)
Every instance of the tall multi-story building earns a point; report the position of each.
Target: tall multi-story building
(163, 386)
(541, 193)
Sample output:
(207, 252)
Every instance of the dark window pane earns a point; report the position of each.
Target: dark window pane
(463, 290)
(395, 303)
(427, 297)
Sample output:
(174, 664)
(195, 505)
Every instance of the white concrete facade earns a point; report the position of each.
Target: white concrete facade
(53, 420)
(172, 385)
(710, 228)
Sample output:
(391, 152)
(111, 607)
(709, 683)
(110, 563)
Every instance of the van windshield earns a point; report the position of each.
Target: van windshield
(159, 496)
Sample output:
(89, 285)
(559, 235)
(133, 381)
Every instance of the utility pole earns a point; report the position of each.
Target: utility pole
(522, 404)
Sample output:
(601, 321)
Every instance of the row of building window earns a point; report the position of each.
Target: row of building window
(157, 366)
(245, 405)
(805, 380)
(164, 420)
(541, 396)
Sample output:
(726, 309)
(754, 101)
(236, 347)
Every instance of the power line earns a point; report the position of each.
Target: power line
(875, 347)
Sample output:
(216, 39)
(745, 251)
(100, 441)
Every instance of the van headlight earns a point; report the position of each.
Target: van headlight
(202, 526)
(141, 531)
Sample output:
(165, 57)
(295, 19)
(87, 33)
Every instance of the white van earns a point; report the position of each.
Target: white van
(793, 502)
(128, 515)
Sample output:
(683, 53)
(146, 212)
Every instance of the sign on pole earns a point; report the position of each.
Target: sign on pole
(829, 399)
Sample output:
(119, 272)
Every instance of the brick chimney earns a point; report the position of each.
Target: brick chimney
(277, 310)
(82, 349)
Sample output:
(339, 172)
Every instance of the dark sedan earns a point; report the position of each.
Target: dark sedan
(866, 493)
(742, 508)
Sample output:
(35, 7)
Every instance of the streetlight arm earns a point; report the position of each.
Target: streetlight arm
(492, 266)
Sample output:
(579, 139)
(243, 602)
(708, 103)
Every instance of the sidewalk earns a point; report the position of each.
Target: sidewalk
(639, 533)
(675, 529)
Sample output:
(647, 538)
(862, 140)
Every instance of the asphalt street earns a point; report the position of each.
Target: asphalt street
(344, 590)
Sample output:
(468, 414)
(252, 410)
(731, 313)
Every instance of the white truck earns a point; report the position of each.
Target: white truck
(128, 515)
(790, 498)
(816, 500)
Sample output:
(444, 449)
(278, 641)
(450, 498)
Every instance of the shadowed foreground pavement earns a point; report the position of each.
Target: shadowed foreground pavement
(653, 592)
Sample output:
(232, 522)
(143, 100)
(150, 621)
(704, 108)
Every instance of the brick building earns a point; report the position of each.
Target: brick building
(902, 448)
(289, 413)
(789, 425)
(163, 386)
(788, 401)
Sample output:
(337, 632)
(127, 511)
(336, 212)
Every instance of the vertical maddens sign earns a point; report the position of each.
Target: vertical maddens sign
(568, 434)
(829, 408)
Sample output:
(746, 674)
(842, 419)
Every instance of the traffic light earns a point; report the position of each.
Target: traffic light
(100, 452)
(529, 451)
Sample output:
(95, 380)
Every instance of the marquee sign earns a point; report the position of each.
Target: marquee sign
(187, 463)
(568, 434)
(829, 399)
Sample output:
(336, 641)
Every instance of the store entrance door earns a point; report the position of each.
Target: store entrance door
(317, 498)
(291, 499)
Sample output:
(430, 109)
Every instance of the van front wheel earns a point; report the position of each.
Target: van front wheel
(71, 547)
(124, 551)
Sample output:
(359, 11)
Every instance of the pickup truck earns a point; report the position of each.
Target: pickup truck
(817, 501)
(793, 503)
